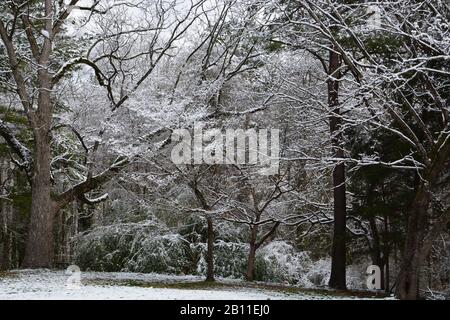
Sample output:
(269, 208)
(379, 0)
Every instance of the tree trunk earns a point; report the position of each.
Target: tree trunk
(210, 251)
(386, 253)
(39, 246)
(210, 232)
(338, 254)
(407, 287)
(5, 241)
(6, 217)
(376, 253)
(250, 274)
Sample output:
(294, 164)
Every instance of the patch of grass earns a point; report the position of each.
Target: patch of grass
(8, 274)
(323, 292)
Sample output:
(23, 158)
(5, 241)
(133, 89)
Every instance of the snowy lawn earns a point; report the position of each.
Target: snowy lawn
(49, 284)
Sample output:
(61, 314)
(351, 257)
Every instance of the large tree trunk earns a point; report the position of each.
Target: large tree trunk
(407, 286)
(210, 251)
(338, 254)
(39, 246)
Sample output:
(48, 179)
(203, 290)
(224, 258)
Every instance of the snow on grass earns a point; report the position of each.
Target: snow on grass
(50, 285)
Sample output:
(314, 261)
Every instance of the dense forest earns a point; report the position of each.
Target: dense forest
(354, 95)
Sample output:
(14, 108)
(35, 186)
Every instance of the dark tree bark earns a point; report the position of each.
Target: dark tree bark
(407, 287)
(250, 273)
(338, 253)
(418, 245)
(210, 232)
(386, 253)
(210, 251)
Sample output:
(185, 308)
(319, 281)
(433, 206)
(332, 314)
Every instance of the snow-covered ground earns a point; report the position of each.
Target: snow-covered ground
(48, 284)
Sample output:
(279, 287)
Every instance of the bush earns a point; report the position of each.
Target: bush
(318, 274)
(230, 259)
(143, 247)
(149, 247)
(281, 262)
